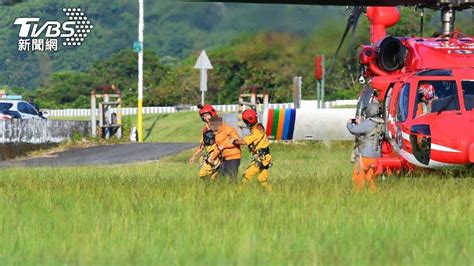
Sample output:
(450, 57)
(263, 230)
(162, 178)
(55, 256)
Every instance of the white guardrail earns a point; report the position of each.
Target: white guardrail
(172, 109)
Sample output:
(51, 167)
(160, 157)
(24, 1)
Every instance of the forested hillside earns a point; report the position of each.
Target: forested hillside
(172, 31)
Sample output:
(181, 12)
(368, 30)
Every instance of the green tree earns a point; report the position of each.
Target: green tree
(72, 89)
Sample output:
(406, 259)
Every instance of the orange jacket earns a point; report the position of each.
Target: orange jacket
(423, 108)
(225, 135)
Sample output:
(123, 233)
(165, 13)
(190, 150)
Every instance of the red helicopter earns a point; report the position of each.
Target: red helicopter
(425, 85)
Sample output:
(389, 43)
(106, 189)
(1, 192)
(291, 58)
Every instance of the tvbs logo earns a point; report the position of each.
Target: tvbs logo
(36, 36)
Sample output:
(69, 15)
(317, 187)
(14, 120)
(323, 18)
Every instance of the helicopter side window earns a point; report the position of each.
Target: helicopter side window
(468, 93)
(402, 108)
(436, 96)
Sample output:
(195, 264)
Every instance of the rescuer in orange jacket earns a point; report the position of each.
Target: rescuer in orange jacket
(259, 146)
(230, 153)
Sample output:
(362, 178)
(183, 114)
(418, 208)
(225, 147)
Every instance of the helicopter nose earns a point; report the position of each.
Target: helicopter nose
(471, 153)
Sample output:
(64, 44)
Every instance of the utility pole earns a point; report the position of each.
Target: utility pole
(140, 71)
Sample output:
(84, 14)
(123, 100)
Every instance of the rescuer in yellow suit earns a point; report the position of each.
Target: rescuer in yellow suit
(210, 162)
(206, 112)
(259, 146)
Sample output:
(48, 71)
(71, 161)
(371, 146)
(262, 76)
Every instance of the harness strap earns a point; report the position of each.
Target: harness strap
(358, 164)
(263, 151)
(261, 166)
(260, 140)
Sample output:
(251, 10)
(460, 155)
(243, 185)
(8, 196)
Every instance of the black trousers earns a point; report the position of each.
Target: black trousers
(230, 168)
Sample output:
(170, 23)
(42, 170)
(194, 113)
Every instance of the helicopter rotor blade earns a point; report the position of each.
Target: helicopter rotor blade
(10, 2)
(330, 2)
(432, 4)
(354, 26)
(351, 23)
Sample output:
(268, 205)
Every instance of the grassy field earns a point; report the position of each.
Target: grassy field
(161, 213)
(176, 127)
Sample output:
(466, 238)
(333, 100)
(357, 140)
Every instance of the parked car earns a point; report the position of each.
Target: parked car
(18, 109)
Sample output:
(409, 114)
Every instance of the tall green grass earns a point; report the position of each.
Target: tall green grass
(161, 213)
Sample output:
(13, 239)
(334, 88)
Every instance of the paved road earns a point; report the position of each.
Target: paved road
(103, 155)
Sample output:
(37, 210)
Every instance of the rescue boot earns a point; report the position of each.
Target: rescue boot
(243, 183)
(266, 186)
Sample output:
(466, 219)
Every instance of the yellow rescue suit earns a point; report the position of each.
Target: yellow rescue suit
(259, 147)
(210, 163)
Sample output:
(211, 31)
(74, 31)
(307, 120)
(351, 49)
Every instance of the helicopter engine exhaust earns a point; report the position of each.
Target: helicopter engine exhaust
(391, 54)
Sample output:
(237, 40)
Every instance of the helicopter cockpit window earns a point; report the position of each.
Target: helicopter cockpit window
(436, 96)
(468, 93)
(435, 72)
(402, 108)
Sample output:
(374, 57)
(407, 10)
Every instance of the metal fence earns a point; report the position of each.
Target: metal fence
(172, 109)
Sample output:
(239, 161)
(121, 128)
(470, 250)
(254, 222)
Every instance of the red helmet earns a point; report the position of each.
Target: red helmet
(250, 117)
(426, 90)
(207, 108)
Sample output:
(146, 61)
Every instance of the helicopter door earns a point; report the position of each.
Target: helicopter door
(387, 115)
(402, 113)
(396, 110)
